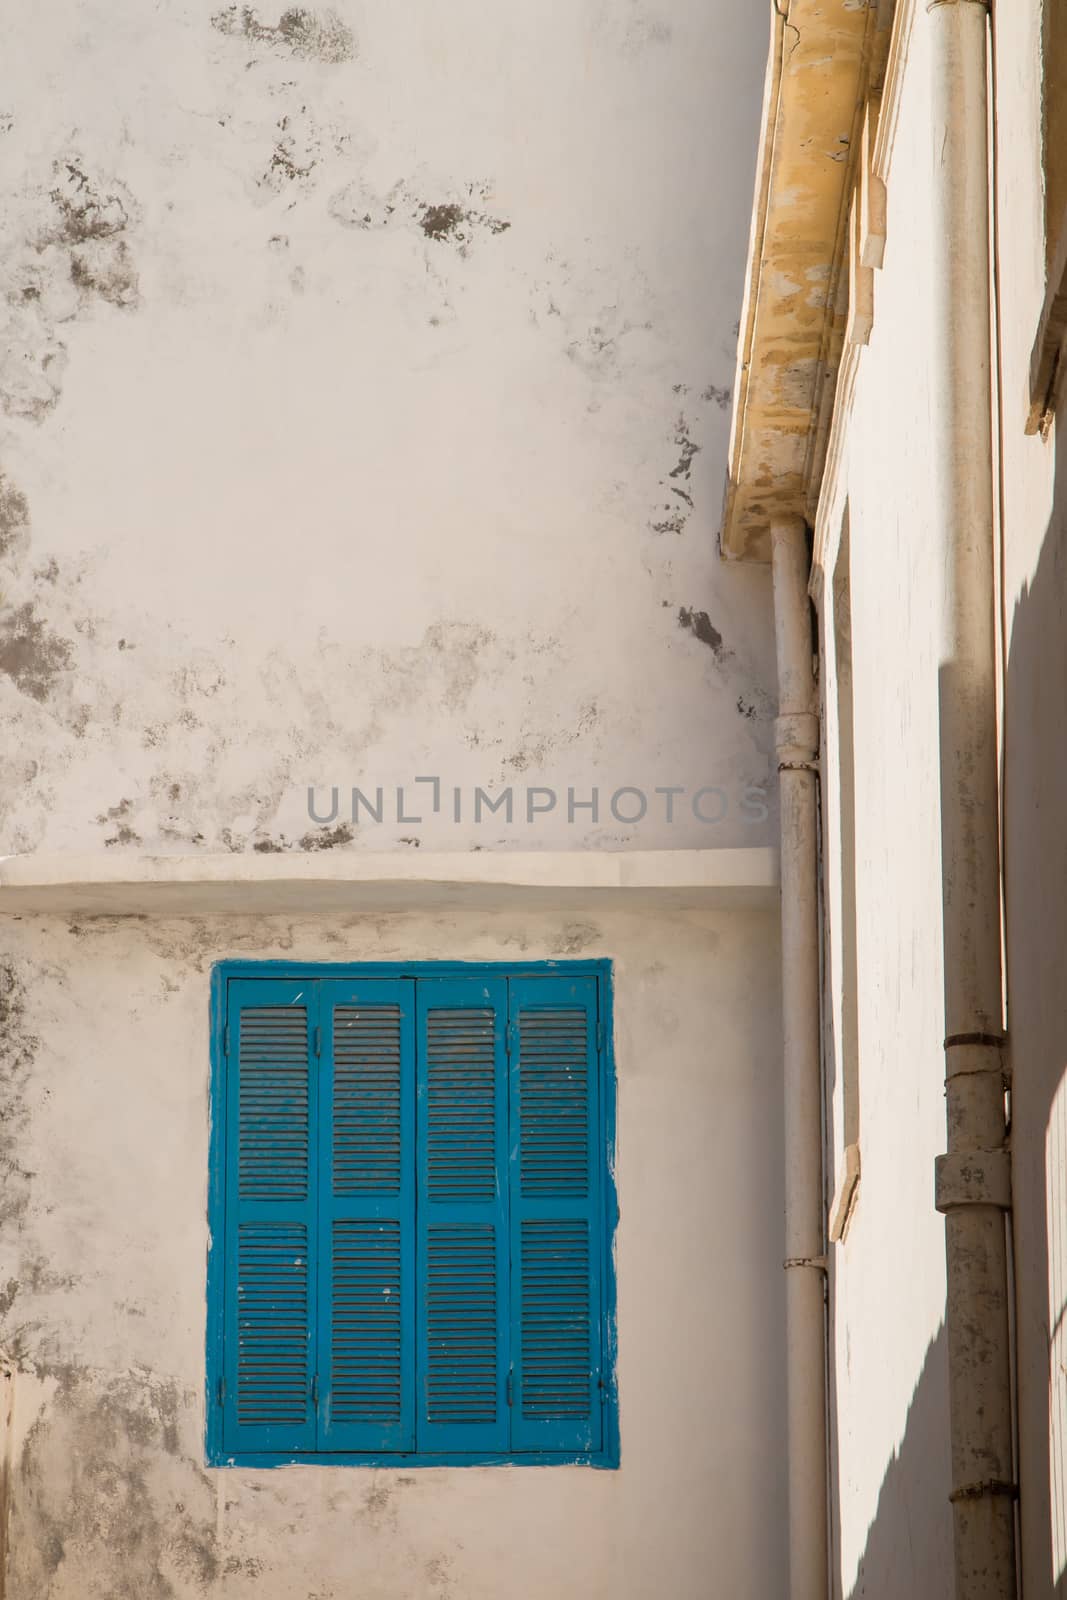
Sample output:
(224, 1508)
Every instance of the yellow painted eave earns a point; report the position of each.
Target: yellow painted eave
(793, 323)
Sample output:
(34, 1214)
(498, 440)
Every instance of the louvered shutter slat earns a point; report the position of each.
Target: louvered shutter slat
(462, 1228)
(556, 1204)
(269, 1310)
(367, 1216)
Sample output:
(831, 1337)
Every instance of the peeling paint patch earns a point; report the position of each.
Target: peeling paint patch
(308, 35)
(30, 654)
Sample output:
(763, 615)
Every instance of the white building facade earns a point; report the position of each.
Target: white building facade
(365, 405)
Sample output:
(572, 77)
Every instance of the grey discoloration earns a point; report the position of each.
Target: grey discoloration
(91, 218)
(14, 520)
(75, 228)
(575, 937)
(687, 450)
(327, 838)
(745, 708)
(717, 396)
(700, 625)
(451, 224)
(296, 154)
(18, 1048)
(308, 35)
(30, 654)
(106, 1480)
(113, 813)
(455, 221)
(124, 835)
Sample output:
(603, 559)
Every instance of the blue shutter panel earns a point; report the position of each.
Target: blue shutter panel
(557, 1214)
(367, 1216)
(462, 1215)
(269, 1310)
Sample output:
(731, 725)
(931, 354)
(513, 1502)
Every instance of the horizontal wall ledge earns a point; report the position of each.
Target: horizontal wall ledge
(103, 884)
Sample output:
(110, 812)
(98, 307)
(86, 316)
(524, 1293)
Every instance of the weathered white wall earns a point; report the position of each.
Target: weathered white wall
(888, 1291)
(103, 1255)
(893, 1528)
(363, 416)
(1035, 803)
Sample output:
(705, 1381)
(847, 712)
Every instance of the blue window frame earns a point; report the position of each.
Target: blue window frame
(412, 1215)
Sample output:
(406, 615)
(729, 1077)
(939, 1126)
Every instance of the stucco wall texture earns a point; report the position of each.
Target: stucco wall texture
(103, 1258)
(363, 415)
(888, 1363)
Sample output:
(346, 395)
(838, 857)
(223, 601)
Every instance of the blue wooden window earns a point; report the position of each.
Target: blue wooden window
(412, 1215)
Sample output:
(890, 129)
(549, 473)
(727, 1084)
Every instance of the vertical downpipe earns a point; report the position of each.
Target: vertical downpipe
(973, 1180)
(797, 742)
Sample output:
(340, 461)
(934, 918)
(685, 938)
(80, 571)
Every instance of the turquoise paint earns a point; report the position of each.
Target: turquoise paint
(508, 1437)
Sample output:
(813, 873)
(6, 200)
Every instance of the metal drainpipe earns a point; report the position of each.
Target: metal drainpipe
(973, 1180)
(797, 743)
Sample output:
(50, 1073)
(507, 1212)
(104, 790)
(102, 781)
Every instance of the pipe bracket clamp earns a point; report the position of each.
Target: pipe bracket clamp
(973, 1178)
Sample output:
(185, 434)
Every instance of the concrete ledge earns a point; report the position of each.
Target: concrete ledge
(103, 884)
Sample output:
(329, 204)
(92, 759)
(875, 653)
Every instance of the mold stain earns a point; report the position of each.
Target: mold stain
(14, 519)
(307, 35)
(327, 838)
(30, 654)
(105, 1479)
(700, 625)
(453, 222)
(75, 253)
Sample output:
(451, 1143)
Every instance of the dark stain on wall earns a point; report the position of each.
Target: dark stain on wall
(124, 834)
(18, 1048)
(91, 218)
(719, 397)
(30, 654)
(107, 1483)
(700, 625)
(327, 838)
(14, 519)
(686, 448)
(451, 224)
(308, 35)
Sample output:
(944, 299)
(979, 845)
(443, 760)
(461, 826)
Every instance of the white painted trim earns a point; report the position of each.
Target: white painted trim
(896, 64)
(99, 884)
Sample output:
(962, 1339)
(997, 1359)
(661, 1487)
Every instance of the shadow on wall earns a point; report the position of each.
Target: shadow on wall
(906, 1539)
(1035, 866)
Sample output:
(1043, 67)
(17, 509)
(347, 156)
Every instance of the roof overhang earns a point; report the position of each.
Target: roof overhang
(796, 299)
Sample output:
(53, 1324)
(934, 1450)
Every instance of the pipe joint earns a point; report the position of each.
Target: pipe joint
(973, 1178)
(985, 1488)
(796, 735)
(936, 5)
(969, 1055)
